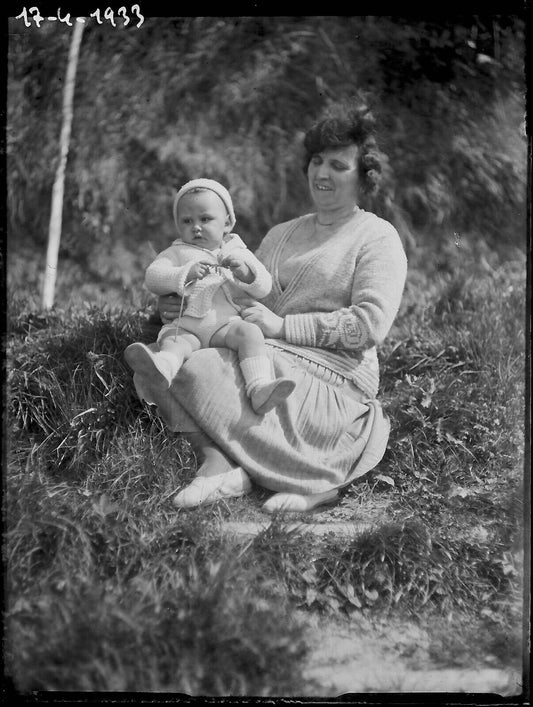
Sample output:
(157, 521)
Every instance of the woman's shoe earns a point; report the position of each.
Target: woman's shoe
(209, 489)
(299, 503)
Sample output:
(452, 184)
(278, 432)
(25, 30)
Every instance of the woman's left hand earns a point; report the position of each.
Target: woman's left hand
(270, 324)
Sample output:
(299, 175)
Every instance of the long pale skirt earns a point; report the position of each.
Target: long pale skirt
(323, 436)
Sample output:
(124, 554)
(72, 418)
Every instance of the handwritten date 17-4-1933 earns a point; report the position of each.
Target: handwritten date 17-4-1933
(118, 18)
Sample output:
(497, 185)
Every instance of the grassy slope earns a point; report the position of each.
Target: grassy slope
(109, 588)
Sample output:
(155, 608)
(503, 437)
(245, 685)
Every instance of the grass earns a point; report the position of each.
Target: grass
(110, 588)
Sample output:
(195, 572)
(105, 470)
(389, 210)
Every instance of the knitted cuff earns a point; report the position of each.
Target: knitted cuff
(260, 285)
(300, 329)
(256, 369)
(181, 278)
(162, 277)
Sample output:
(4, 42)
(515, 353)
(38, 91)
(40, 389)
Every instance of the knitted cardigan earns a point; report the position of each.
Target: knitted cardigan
(341, 302)
(169, 273)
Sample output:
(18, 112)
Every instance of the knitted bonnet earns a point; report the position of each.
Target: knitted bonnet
(221, 191)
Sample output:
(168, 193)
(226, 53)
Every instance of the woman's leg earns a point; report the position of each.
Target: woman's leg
(218, 477)
(299, 503)
(212, 458)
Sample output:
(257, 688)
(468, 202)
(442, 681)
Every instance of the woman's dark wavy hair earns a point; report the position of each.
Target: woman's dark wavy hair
(343, 124)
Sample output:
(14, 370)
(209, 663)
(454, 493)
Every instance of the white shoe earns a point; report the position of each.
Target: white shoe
(266, 396)
(209, 489)
(152, 365)
(298, 503)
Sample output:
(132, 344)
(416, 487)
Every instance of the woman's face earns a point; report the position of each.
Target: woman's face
(333, 177)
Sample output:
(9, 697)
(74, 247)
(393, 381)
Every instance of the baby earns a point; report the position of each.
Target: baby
(209, 266)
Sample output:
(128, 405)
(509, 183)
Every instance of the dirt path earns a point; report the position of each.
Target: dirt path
(359, 655)
(354, 656)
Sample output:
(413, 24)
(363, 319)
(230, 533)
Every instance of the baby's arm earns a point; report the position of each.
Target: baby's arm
(167, 274)
(249, 274)
(239, 268)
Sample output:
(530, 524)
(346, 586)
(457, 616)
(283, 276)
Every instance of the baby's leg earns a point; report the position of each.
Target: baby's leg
(243, 337)
(161, 366)
(180, 346)
(264, 391)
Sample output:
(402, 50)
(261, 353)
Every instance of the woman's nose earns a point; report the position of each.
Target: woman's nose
(322, 170)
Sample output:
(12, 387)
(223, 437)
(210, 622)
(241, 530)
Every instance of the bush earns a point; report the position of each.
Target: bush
(450, 95)
(69, 390)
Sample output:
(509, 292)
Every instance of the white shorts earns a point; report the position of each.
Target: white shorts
(221, 313)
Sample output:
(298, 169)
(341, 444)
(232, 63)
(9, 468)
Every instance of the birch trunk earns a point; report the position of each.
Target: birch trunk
(56, 212)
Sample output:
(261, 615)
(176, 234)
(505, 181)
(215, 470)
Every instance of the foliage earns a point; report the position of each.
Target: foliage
(454, 375)
(110, 588)
(121, 601)
(68, 390)
(229, 97)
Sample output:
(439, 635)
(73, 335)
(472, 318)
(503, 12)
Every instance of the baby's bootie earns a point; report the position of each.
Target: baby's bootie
(266, 396)
(159, 367)
(264, 390)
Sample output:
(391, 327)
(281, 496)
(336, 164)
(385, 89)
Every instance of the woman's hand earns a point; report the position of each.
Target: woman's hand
(169, 307)
(270, 324)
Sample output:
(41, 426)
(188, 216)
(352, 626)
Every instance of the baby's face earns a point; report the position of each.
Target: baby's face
(202, 219)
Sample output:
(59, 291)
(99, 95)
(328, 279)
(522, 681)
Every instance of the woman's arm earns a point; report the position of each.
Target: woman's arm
(378, 283)
(168, 307)
(375, 291)
(272, 325)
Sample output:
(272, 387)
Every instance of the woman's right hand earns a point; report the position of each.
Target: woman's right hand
(169, 307)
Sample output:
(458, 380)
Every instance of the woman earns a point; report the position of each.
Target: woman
(338, 276)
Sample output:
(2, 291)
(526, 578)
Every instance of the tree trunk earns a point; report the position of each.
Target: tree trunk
(54, 230)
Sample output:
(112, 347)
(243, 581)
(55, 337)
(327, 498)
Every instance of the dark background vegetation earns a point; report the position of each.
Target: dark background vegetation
(229, 98)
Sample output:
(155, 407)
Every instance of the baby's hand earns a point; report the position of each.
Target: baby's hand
(199, 270)
(238, 267)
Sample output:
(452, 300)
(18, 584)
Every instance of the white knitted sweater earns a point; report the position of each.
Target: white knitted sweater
(169, 273)
(341, 302)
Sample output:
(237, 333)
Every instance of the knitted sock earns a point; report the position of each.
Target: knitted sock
(264, 391)
(256, 370)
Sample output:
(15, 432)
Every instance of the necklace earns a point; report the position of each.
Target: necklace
(338, 220)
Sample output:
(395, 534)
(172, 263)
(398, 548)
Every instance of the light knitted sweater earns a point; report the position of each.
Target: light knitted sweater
(341, 302)
(169, 273)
